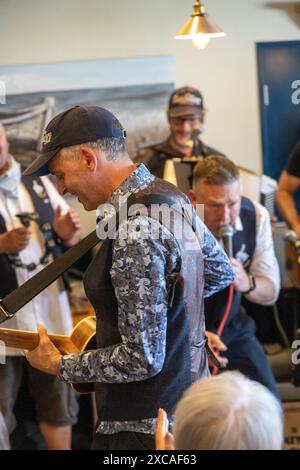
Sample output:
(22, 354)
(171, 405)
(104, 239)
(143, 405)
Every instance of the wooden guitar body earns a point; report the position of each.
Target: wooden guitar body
(82, 338)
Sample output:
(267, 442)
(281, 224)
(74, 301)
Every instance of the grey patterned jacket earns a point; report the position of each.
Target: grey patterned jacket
(141, 267)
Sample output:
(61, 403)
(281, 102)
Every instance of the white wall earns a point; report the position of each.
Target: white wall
(39, 31)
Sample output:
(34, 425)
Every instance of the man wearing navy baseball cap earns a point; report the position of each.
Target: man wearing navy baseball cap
(72, 127)
(145, 354)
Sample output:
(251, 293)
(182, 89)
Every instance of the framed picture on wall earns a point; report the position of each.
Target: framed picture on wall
(136, 90)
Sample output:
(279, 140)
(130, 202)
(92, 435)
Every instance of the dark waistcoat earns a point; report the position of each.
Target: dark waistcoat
(141, 400)
(244, 243)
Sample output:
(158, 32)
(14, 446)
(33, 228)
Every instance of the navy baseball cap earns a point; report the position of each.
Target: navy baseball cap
(75, 126)
(185, 101)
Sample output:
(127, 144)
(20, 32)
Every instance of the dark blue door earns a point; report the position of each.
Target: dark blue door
(279, 84)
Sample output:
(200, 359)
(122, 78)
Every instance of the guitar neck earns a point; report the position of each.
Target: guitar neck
(22, 339)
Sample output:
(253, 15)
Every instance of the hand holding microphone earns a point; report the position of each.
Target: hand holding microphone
(242, 280)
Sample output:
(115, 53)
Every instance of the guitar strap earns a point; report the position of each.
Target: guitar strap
(14, 301)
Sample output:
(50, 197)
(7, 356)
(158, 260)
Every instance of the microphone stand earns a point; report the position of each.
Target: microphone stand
(195, 140)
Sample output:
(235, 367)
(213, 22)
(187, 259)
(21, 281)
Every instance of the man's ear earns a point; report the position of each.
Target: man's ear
(89, 158)
(192, 196)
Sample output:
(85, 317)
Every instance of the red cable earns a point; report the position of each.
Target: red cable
(223, 321)
(227, 311)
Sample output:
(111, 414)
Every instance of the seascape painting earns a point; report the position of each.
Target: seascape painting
(135, 90)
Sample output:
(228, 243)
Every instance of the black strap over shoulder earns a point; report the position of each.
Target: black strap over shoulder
(31, 288)
(151, 199)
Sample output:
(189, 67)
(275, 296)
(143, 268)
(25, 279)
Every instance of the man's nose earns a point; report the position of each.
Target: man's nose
(61, 188)
(187, 126)
(225, 214)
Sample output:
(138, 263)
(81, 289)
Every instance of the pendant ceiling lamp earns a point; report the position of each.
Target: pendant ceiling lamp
(200, 28)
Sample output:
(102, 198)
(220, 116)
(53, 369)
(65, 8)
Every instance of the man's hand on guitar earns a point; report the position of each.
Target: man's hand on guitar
(46, 357)
(217, 346)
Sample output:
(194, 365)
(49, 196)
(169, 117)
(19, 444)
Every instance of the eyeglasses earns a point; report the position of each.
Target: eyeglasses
(183, 119)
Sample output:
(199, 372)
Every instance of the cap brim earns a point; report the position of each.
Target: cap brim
(40, 165)
(184, 111)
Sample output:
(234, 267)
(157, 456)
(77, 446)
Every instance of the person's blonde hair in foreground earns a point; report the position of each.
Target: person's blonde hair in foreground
(225, 412)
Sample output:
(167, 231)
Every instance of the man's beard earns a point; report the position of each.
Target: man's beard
(183, 143)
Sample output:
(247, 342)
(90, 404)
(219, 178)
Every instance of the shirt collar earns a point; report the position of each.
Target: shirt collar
(238, 224)
(139, 179)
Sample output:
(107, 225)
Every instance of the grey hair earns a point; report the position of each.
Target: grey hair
(113, 147)
(228, 412)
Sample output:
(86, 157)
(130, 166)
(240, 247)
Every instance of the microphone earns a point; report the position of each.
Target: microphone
(196, 132)
(194, 139)
(193, 142)
(226, 233)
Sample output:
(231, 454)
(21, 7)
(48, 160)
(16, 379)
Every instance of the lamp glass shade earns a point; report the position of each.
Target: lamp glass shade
(201, 41)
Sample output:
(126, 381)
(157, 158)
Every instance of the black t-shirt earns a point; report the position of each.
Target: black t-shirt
(293, 163)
